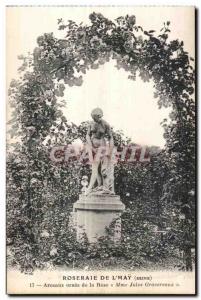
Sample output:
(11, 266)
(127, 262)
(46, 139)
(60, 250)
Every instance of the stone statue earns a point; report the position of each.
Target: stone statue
(100, 144)
(98, 206)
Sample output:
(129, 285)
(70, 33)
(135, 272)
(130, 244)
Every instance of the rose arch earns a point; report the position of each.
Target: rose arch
(61, 62)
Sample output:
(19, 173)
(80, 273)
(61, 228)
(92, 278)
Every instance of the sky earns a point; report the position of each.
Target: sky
(127, 105)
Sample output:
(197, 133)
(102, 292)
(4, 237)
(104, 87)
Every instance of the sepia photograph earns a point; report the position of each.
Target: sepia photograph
(100, 150)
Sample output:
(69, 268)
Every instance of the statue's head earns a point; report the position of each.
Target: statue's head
(97, 114)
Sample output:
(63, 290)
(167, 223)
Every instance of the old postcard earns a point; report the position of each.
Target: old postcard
(101, 150)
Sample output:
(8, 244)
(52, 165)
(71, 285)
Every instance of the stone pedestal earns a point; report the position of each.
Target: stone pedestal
(94, 213)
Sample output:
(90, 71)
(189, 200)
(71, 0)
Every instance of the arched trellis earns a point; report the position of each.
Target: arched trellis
(153, 56)
(59, 62)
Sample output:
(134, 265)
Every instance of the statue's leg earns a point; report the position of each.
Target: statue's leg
(99, 177)
(94, 176)
(104, 167)
(108, 174)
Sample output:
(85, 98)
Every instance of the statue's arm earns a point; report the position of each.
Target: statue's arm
(110, 136)
(88, 137)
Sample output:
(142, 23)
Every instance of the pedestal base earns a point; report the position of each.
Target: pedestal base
(94, 213)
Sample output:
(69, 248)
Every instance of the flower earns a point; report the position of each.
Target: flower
(96, 42)
(191, 193)
(53, 252)
(44, 233)
(132, 20)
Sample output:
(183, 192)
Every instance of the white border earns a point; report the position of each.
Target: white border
(101, 3)
(4, 3)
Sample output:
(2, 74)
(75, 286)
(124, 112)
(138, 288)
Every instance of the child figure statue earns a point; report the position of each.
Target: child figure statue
(100, 144)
